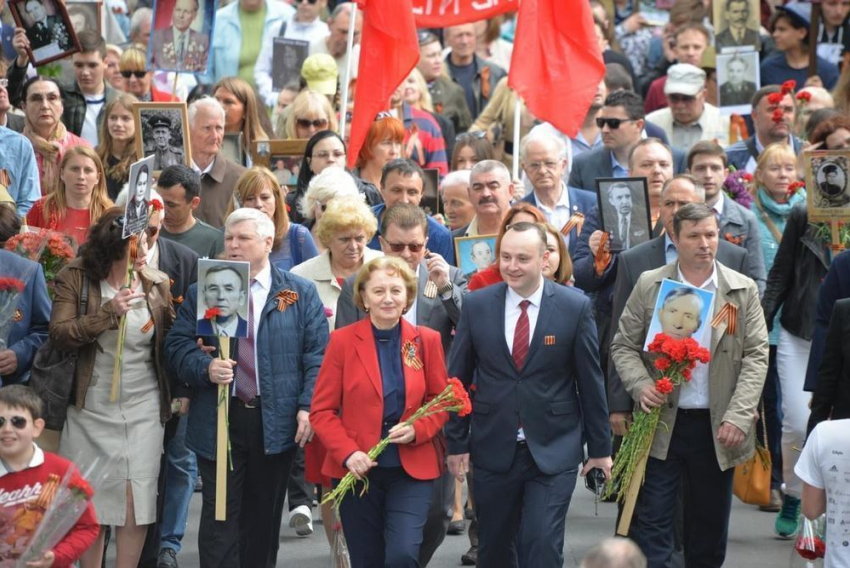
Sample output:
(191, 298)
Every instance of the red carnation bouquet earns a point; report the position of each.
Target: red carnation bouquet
(675, 360)
(454, 398)
(51, 249)
(10, 290)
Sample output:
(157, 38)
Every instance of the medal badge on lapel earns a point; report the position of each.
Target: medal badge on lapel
(286, 298)
(410, 357)
(19, 315)
(549, 340)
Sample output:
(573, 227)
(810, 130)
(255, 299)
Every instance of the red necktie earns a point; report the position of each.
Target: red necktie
(521, 336)
(246, 375)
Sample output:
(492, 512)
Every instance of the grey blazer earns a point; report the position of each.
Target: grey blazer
(630, 265)
(438, 314)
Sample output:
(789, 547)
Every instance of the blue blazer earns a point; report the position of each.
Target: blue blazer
(33, 310)
(581, 201)
(559, 395)
(439, 238)
(7, 32)
(205, 328)
(835, 286)
(290, 348)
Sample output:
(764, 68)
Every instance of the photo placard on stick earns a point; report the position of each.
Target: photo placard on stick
(682, 311)
(138, 197)
(162, 132)
(738, 79)
(48, 28)
(223, 289)
(828, 195)
(736, 24)
(86, 15)
(624, 211)
(288, 56)
(474, 254)
(181, 34)
(282, 157)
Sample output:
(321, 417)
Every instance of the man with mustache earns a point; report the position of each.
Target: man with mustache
(490, 190)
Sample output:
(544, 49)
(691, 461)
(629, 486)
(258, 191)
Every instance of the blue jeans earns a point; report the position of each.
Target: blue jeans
(180, 477)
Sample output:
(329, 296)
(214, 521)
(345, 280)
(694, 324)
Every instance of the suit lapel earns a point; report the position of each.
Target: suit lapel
(500, 325)
(423, 304)
(368, 354)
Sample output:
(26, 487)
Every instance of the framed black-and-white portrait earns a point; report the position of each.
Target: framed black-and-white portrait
(138, 197)
(288, 56)
(162, 131)
(736, 24)
(181, 31)
(474, 254)
(48, 28)
(85, 15)
(223, 293)
(283, 158)
(738, 79)
(828, 194)
(624, 211)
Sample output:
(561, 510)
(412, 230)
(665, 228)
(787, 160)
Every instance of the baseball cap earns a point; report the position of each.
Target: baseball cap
(684, 79)
(321, 72)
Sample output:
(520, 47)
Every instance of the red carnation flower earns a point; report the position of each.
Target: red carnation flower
(789, 86)
(11, 284)
(686, 373)
(156, 205)
(664, 385)
(804, 96)
(79, 485)
(460, 395)
(662, 364)
(794, 188)
(774, 99)
(212, 313)
(778, 116)
(748, 177)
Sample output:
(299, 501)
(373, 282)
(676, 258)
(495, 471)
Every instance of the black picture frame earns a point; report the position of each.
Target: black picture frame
(288, 56)
(639, 221)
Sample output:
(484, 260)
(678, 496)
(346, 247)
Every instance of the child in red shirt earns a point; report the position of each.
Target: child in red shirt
(25, 472)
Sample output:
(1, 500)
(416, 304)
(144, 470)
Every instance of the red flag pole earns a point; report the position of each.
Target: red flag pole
(346, 76)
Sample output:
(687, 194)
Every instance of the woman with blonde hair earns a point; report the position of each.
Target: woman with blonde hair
(241, 112)
(80, 199)
(332, 183)
(415, 92)
(138, 81)
(117, 148)
(257, 188)
(309, 113)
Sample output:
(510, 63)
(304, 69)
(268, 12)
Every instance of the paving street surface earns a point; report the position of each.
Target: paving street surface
(751, 540)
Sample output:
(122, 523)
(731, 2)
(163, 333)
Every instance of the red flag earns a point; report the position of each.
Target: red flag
(389, 49)
(556, 65)
(431, 14)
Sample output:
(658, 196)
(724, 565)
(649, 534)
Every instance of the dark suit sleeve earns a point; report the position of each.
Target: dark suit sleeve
(346, 312)
(575, 179)
(315, 341)
(16, 76)
(591, 386)
(830, 372)
(39, 304)
(453, 303)
(462, 362)
(830, 291)
(619, 400)
(184, 359)
(584, 263)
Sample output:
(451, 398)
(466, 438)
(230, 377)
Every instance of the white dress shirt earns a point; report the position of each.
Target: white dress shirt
(260, 288)
(410, 315)
(512, 313)
(562, 212)
(694, 394)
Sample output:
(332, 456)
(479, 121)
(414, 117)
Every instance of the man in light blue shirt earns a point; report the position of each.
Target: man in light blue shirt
(18, 168)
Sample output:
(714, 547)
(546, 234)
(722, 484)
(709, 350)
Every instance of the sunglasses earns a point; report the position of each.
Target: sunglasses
(477, 135)
(399, 247)
(318, 123)
(674, 98)
(137, 74)
(18, 422)
(613, 123)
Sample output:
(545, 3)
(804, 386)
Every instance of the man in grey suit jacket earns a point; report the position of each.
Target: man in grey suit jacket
(404, 234)
(708, 163)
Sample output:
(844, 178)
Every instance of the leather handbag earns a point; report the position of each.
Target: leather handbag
(52, 374)
(752, 478)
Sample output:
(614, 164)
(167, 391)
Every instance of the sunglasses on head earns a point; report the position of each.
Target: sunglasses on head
(399, 247)
(318, 123)
(137, 74)
(18, 422)
(477, 135)
(613, 123)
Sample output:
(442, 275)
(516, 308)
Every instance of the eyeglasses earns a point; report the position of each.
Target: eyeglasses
(137, 74)
(318, 123)
(399, 247)
(337, 154)
(613, 123)
(676, 98)
(537, 166)
(52, 98)
(18, 422)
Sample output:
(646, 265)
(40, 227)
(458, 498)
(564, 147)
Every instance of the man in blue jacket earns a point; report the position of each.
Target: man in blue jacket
(270, 379)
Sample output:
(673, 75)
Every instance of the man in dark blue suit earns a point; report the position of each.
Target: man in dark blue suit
(544, 159)
(31, 318)
(270, 380)
(530, 345)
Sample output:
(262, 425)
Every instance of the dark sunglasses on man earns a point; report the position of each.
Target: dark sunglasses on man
(17, 422)
(613, 123)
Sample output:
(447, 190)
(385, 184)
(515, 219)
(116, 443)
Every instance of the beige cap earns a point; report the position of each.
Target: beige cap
(684, 79)
(321, 72)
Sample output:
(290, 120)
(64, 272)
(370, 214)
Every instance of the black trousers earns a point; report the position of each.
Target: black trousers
(707, 500)
(249, 537)
(522, 514)
(299, 490)
(383, 528)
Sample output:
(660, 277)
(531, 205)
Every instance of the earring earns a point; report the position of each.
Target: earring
(366, 309)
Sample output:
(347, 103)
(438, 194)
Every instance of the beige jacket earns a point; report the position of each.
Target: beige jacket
(738, 364)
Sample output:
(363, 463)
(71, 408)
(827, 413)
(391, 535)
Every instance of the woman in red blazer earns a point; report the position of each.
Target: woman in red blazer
(370, 381)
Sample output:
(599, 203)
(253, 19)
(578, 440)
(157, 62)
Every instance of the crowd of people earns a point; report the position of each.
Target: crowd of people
(370, 285)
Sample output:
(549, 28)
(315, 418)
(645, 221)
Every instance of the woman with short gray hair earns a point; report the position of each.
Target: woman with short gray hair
(333, 182)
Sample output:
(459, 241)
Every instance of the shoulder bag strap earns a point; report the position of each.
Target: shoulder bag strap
(84, 297)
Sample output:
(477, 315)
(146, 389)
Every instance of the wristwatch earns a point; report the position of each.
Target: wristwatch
(444, 289)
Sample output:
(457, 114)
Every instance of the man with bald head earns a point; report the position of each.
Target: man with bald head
(477, 77)
(544, 160)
